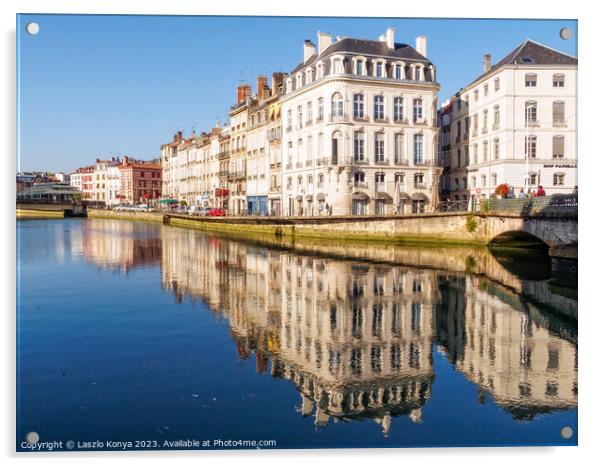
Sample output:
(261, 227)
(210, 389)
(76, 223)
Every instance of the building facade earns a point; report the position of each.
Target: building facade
(515, 124)
(360, 129)
(140, 181)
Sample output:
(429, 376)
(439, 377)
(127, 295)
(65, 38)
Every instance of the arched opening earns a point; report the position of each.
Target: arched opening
(522, 254)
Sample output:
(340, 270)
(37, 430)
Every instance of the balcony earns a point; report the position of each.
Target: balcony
(532, 123)
(274, 189)
(360, 118)
(495, 127)
(400, 162)
(309, 163)
(339, 118)
(420, 185)
(360, 184)
(424, 163)
(484, 130)
(223, 154)
(308, 123)
(419, 121)
(298, 164)
(289, 129)
(559, 123)
(319, 119)
(289, 165)
(223, 173)
(381, 161)
(400, 121)
(380, 119)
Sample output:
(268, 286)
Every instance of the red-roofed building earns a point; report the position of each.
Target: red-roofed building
(140, 181)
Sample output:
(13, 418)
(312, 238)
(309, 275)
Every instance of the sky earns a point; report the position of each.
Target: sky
(97, 86)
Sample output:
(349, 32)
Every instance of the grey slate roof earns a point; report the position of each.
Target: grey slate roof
(367, 48)
(538, 54)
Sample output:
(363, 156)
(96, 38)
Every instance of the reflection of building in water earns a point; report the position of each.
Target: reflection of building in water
(527, 369)
(120, 245)
(354, 338)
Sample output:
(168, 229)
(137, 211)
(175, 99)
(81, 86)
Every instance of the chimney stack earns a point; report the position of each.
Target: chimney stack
(243, 92)
(486, 62)
(263, 89)
(309, 49)
(324, 41)
(421, 45)
(389, 37)
(277, 82)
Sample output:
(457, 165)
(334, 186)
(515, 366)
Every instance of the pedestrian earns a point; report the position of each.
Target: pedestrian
(540, 191)
(521, 194)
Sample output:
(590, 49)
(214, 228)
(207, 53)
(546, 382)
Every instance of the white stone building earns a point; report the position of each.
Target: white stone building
(524, 104)
(360, 130)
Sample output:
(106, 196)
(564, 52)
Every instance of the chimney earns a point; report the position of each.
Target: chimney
(243, 92)
(390, 38)
(486, 62)
(421, 45)
(309, 49)
(324, 41)
(262, 87)
(126, 158)
(277, 82)
(179, 137)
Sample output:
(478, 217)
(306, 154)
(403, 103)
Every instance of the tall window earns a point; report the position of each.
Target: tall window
(485, 151)
(320, 144)
(530, 80)
(359, 179)
(418, 149)
(558, 80)
(358, 106)
(398, 139)
(379, 179)
(379, 107)
(485, 113)
(558, 147)
(321, 109)
(299, 117)
(531, 146)
(289, 119)
(475, 153)
(496, 149)
(309, 112)
(380, 69)
(399, 74)
(530, 113)
(379, 147)
(398, 108)
(310, 142)
(358, 146)
(558, 113)
(418, 116)
(337, 105)
(496, 84)
(496, 117)
(419, 180)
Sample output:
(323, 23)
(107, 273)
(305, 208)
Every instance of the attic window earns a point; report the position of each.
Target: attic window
(526, 60)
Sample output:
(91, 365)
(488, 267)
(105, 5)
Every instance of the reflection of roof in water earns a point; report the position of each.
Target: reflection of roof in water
(364, 399)
(526, 412)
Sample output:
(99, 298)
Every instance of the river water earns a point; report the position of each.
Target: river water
(135, 332)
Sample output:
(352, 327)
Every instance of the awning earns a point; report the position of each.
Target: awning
(360, 196)
(419, 197)
(383, 196)
(165, 201)
(321, 197)
(309, 197)
(299, 197)
(404, 197)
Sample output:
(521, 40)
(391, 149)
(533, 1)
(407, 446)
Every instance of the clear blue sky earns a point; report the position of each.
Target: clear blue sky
(96, 86)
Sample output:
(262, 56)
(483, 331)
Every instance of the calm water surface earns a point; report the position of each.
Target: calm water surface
(132, 331)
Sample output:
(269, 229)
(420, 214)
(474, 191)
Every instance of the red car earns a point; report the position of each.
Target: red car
(217, 213)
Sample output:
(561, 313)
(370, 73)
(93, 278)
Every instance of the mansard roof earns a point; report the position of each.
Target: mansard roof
(368, 48)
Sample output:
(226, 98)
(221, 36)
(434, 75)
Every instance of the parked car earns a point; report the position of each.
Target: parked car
(217, 213)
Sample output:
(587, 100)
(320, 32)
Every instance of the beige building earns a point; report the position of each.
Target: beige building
(515, 124)
(360, 128)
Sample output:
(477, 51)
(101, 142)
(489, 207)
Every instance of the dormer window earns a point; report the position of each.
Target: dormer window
(418, 73)
(320, 70)
(398, 71)
(337, 66)
(289, 85)
(360, 66)
(308, 76)
(379, 69)
(299, 81)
